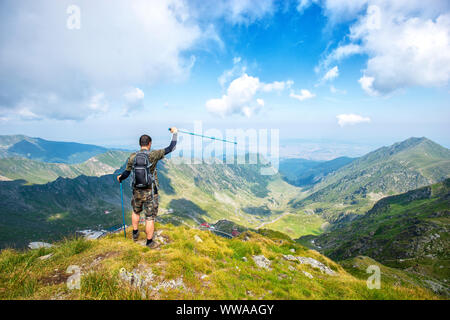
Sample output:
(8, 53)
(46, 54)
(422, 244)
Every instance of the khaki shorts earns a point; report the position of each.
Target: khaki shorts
(143, 200)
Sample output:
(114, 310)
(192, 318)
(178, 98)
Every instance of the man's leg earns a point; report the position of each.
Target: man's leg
(149, 228)
(151, 213)
(135, 220)
(137, 205)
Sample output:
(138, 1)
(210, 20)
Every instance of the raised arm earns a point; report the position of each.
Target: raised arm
(173, 143)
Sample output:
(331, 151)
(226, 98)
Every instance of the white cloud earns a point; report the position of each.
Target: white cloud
(333, 89)
(119, 44)
(302, 5)
(407, 43)
(367, 85)
(331, 74)
(98, 103)
(260, 102)
(134, 100)
(247, 11)
(351, 119)
(277, 86)
(304, 95)
(237, 70)
(240, 96)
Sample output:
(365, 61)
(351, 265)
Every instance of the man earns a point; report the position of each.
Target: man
(145, 197)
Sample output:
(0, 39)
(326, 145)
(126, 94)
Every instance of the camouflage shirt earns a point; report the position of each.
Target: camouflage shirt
(153, 156)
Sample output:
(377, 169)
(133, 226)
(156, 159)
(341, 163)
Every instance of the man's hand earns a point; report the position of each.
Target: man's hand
(173, 130)
(118, 178)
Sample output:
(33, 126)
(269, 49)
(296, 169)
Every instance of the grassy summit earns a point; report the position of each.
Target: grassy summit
(189, 264)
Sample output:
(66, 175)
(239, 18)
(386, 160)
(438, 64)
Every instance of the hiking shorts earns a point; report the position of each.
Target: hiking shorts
(143, 200)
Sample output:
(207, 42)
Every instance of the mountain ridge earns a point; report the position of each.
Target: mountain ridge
(403, 166)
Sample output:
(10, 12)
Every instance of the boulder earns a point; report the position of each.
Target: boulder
(316, 264)
(38, 245)
(262, 262)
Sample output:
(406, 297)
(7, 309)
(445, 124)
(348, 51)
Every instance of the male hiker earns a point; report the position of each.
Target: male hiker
(145, 183)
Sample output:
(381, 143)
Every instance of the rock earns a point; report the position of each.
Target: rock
(262, 262)
(38, 244)
(198, 239)
(309, 275)
(170, 284)
(436, 287)
(316, 264)
(289, 257)
(244, 259)
(140, 277)
(292, 250)
(47, 256)
(92, 234)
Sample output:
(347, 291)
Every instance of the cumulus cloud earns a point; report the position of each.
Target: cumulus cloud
(351, 119)
(134, 100)
(331, 74)
(237, 70)
(119, 44)
(240, 96)
(407, 43)
(304, 95)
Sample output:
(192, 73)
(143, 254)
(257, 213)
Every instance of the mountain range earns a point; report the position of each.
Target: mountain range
(355, 187)
(390, 205)
(47, 151)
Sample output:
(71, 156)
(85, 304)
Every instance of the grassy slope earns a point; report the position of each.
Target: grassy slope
(212, 269)
(407, 231)
(42, 172)
(390, 277)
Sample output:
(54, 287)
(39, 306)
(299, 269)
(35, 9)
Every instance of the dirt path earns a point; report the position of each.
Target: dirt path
(272, 221)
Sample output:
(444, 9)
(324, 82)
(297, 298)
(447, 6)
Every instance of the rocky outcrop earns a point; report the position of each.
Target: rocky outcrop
(262, 262)
(312, 262)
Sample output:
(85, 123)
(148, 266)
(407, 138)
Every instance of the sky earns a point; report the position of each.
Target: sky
(367, 72)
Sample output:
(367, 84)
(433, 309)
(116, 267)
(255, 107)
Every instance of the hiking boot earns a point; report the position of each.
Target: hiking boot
(136, 236)
(152, 245)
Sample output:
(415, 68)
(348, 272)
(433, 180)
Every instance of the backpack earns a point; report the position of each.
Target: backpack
(142, 177)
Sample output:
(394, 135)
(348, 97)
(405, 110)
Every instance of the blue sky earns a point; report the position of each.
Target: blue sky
(369, 72)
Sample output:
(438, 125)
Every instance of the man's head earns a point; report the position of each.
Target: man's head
(145, 141)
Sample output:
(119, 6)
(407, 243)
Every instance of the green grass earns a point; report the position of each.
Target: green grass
(298, 224)
(212, 269)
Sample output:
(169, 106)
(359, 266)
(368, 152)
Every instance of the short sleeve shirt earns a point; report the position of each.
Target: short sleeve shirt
(153, 156)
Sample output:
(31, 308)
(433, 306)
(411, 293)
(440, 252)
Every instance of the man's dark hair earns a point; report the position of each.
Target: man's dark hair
(144, 140)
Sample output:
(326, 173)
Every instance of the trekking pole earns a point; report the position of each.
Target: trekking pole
(200, 135)
(123, 211)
